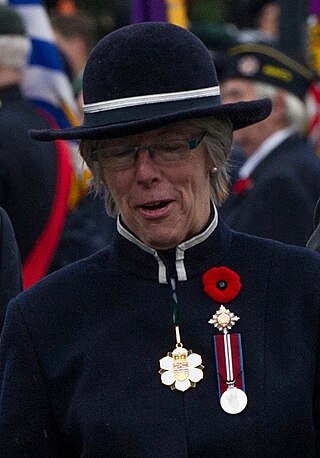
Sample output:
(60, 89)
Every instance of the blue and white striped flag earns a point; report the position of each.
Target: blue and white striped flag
(45, 82)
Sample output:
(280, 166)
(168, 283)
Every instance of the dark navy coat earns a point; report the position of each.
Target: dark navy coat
(80, 355)
(279, 201)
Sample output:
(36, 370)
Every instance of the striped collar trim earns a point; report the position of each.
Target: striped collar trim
(180, 249)
(149, 99)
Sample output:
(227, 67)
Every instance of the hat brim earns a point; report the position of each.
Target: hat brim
(241, 114)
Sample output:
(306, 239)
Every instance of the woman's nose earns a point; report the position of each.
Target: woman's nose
(147, 171)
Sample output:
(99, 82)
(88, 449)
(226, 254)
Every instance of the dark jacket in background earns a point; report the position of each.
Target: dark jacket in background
(35, 183)
(88, 229)
(280, 200)
(10, 270)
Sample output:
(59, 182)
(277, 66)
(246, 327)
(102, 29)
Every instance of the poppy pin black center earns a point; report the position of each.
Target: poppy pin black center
(221, 284)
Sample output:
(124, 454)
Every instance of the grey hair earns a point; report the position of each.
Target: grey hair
(217, 141)
(296, 114)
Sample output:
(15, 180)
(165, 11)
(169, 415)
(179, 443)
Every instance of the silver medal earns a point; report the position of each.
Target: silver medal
(233, 400)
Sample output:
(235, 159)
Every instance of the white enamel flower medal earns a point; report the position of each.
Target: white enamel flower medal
(223, 285)
(181, 368)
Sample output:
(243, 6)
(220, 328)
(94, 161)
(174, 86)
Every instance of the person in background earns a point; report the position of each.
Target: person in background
(279, 182)
(88, 227)
(76, 35)
(256, 20)
(35, 179)
(181, 338)
(10, 266)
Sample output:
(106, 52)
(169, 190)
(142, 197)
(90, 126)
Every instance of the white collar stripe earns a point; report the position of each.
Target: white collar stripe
(162, 275)
(180, 249)
(148, 99)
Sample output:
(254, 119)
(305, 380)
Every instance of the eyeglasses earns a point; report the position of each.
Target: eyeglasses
(121, 158)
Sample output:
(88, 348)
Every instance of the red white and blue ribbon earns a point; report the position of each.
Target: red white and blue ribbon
(229, 361)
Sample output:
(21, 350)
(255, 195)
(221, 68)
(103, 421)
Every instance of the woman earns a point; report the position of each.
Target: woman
(181, 338)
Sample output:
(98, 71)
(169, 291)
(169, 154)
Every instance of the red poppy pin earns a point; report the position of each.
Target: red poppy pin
(242, 185)
(221, 284)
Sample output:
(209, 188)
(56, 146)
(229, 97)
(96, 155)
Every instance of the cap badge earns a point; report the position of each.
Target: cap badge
(248, 65)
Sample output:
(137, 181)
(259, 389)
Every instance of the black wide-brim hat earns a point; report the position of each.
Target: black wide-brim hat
(146, 75)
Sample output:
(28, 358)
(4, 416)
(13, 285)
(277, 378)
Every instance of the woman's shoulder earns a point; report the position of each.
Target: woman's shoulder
(286, 276)
(68, 284)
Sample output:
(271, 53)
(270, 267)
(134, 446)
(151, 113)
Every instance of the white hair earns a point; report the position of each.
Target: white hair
(14, 51)
(296, 114)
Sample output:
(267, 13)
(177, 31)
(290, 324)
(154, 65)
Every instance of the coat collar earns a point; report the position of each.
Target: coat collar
(266, 148)
(191, 259)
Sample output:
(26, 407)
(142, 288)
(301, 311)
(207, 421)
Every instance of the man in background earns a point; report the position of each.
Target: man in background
(88, 228)
(279, 182)
(34, 179)
(75, 34)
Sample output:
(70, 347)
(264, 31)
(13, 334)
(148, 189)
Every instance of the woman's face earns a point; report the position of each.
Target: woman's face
(162, 204)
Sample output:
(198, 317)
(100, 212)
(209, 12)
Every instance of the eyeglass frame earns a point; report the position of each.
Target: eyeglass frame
(192, 143)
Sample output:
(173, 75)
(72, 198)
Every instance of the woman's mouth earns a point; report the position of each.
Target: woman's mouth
(156, 209)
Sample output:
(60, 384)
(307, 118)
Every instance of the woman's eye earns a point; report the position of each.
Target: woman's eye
(170, 147)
